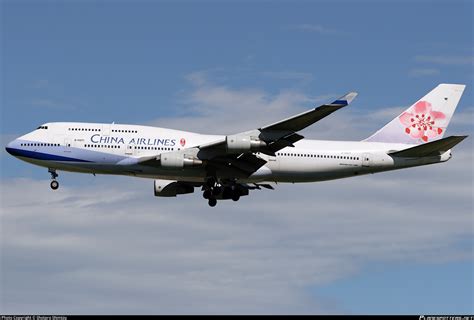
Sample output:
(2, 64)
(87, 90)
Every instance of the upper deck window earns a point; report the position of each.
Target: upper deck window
(42, 127)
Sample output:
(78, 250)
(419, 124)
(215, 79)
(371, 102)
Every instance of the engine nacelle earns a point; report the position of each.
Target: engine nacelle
(241, 143)
(169, 188)
(177, 161)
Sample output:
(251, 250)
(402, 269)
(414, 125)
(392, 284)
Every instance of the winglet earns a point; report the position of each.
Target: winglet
(346, 99)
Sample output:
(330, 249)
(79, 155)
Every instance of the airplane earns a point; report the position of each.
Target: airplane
(229, 166)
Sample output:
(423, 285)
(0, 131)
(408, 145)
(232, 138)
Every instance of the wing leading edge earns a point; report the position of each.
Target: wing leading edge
(305, 119)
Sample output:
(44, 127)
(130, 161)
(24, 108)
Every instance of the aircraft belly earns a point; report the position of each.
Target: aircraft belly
(308, 171)
(185, 174)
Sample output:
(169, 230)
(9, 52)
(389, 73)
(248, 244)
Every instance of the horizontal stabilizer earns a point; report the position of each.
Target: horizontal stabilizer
(434, 148)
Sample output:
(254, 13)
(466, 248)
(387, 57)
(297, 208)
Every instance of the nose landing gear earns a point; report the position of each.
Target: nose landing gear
(54, 184)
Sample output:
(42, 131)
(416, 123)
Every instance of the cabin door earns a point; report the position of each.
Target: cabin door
(366, 159)
(129, 149)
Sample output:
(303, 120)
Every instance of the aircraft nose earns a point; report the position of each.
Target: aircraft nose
(10, 146)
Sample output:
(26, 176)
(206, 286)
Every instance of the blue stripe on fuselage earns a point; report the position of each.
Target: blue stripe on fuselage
(41, 156)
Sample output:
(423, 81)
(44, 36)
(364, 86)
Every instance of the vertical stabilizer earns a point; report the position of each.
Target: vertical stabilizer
(424, 121)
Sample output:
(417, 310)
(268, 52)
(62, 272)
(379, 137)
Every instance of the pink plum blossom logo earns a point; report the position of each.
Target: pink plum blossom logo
(421, 122)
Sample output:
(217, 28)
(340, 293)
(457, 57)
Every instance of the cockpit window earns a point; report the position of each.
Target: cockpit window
(42, 127)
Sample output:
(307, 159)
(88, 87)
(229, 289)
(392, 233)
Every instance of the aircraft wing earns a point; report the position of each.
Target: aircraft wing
(283, 133)
(237, 155)
(305, 119)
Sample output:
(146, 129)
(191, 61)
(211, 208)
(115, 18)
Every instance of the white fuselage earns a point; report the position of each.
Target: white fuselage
(112, 149)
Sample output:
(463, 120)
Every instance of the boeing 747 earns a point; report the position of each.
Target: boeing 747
(229, 166)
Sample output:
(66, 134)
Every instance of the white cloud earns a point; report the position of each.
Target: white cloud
(219, 109)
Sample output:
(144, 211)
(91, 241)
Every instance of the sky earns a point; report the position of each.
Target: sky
(391, 243)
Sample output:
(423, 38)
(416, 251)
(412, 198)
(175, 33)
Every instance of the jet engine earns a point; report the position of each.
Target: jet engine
(178, 161)
(169, 188)
(242, 143)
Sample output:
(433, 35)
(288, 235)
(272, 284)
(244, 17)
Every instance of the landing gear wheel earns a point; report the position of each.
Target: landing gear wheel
(216, 190)
(236, 196)
(212, 202)
(54, 184)
(211, 182)
(207, 194)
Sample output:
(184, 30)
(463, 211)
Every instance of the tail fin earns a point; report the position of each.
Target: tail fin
(424, 121)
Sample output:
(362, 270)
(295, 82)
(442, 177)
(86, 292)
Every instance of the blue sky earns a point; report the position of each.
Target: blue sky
(217, 67)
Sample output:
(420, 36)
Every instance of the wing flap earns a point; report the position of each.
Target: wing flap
(287, 141)
(245, 163)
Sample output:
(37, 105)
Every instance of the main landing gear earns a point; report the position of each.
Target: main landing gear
(212, 190)
(54, 184)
